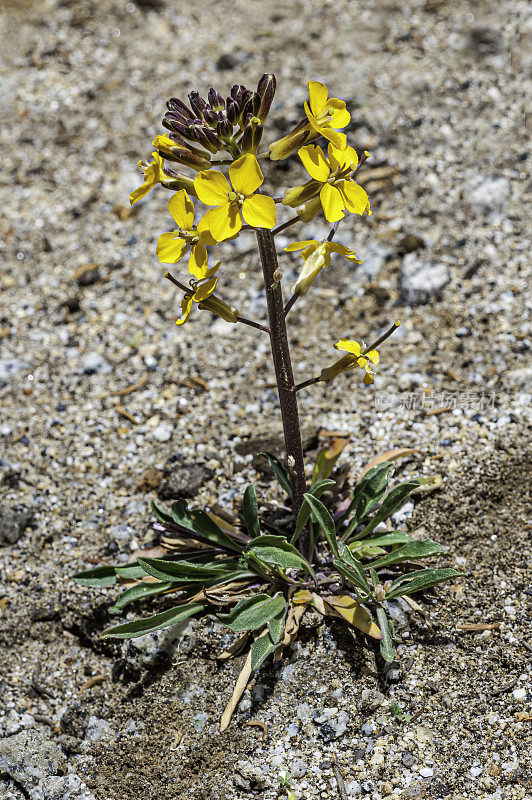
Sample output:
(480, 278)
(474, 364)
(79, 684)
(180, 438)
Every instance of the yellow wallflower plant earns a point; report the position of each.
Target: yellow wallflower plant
(236, 201)
(260, 583)
(171, 247)
(331, 179)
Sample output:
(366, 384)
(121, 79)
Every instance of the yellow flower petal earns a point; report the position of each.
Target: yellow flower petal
(374, 356)
(186, 306)
(212, 187)
(291, 248)
(170, 248)
(246, 175)
(355, 197)
(205, 235)
(368, 378)
(314, 161)
(205, 289)
(259, 211)
(197, 262)
(181, 208)
(349, 345)
(342, 159)
(317, 95)
(339, 140)
(224, 221)
(332, 203)
(140, 192)
(340, 116)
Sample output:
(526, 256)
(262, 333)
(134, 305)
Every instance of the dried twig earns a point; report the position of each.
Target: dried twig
(339, 779)
(129, 389)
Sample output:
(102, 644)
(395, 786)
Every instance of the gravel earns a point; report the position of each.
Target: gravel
(437, 94)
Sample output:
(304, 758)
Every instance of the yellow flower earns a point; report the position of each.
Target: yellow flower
(233, 203)
(325, 114)
(330, 180)
(359, 358)
(173, 246)
(202, 293)
(153, 174)
(317, 255)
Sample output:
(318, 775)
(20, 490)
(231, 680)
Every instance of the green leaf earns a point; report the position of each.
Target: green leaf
(276, 626)
(98, 576)
(316, 490)
(160, 513)
(131, 572)
(276, 550)
(394, 537)
(130, 630)
(392, 500)
(250, 511)
(387, 645)
(205, 526)
(419, 580)
(182, 571)
(139, 593)
(280, 472)
(368, 492)
(409, 552)
(322, 516)
(261, 648)
(347, 558)
(253, 612)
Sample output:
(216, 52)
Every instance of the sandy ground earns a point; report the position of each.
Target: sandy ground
(436, 92)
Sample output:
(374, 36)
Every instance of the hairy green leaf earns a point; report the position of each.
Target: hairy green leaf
(276, 626)
(280, 472)
(410, 551)
(139, 592)
(250, 511)
(261, 648)
(98, 576)
(130, 630)
(392, 500)
(276, 550)
(181, 571)
(322, 516)
(130, 572)
(387, 645)
(316, 490)
(347, 558)
(419, 580)
(367, 493)
(253, 612)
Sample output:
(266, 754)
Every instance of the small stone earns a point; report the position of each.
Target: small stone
(30, 756)
(422, 281)
(407, 758)
(519, 694)
(98, 729)
(475, 771)
(182, 479)
(371, 700)
(13, 523)
(74, 721)
(409, 243)
(163, 432)
(426, 772)
(298, 768)
(95, 364)
(226, 61)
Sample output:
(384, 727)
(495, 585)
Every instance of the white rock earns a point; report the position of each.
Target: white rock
(426, 772)
(163, 432)
(519, 694)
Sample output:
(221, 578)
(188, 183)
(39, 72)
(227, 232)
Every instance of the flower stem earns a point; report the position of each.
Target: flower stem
(285, 377)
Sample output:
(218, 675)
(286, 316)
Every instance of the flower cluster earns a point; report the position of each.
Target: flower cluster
(200, 128)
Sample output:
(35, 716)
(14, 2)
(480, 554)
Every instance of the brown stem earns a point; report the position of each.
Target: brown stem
(285, 377)
(285, 225)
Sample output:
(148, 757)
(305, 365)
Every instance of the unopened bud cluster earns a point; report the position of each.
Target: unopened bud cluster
(234, 124)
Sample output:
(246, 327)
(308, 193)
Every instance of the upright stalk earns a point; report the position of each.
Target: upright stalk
(284, 375)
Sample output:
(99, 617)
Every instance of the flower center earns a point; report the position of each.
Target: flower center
(190, 237)
(235, 198)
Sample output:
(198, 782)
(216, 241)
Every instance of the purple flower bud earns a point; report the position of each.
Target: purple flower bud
(252, 136)
(266, 92)
(206, 137)
(210, 117)
(216, 100)
(197, 103)
(232, 111)
(172, 124)
(175, 104)
(252, 105)
(236, 93)
(224, 129)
